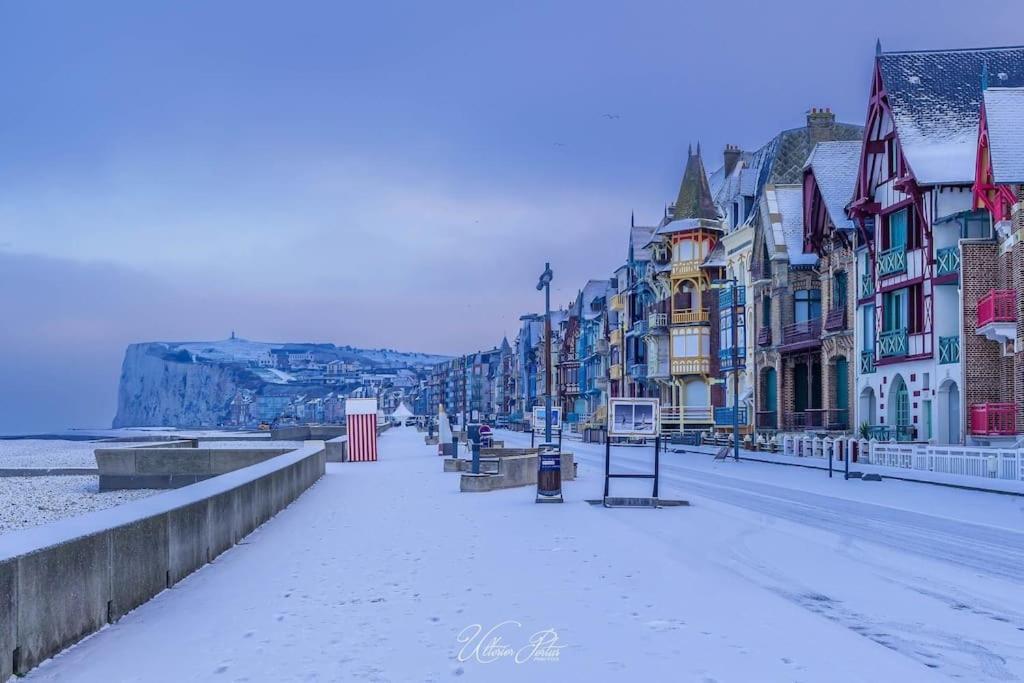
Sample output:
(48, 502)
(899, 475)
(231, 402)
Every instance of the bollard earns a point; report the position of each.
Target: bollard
(455, 447)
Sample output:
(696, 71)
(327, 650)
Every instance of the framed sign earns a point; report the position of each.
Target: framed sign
(538, 418)
(633, 417)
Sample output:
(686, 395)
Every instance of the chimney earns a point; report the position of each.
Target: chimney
(731, 157)
(820, 123)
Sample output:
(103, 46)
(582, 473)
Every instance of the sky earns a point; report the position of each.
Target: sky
(381, 174)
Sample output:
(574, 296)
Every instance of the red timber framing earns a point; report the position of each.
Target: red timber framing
(998, 199)
(818, 226)
(882, 158)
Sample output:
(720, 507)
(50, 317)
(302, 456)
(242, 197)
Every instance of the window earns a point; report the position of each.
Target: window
(839, 290)
(891, 157)
(766, 311)
(806, 305)
(868, 327)
(896, 230)
(903, 309)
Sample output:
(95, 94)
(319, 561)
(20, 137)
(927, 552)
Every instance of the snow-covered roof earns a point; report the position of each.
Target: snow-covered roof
(639, 239)
(1004, 114)
(785, 223)
(835, 166)
(935, 98)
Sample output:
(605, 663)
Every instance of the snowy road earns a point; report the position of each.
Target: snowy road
(906, 574)
(376, 572)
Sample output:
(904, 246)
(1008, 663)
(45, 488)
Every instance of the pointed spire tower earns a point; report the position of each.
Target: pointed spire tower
(694, 200)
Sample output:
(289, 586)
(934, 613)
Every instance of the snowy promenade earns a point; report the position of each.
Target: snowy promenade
(375, 572)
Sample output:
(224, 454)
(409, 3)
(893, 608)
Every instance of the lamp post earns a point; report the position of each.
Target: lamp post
(733, 313)
(545, 284)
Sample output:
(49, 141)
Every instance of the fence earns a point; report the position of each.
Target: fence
(965, 461)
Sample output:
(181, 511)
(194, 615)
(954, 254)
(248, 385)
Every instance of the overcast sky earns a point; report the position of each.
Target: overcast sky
(372, 173)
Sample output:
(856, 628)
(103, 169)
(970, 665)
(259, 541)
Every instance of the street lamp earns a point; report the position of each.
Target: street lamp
(733, 314)
(545, 284)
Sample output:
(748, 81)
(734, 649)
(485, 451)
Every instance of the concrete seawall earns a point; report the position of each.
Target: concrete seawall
(63, 581)
(172, 467)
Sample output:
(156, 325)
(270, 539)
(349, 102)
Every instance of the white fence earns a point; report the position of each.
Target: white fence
(965, 461)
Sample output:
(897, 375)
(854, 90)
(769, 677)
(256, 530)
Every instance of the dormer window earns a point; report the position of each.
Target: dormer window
(892, 157)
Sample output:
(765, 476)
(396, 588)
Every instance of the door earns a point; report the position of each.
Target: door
(842, 404)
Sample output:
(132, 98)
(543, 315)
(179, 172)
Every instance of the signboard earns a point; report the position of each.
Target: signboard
(633, 417)
(361, 427)
(538, 418)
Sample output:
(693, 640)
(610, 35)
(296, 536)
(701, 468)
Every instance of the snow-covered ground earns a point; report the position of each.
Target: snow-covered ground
(32, 501)
(384, 571)
(33, 453)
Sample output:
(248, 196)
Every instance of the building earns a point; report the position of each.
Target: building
(829, 178)
(914, 205)
(682, 344)
(994, 291)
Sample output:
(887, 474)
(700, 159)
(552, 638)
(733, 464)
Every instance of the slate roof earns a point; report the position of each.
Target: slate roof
(694, 199)
(783, 220)
(935, 97)
(639, 239)
(780, 161)
(835, 165)
(1004, 114)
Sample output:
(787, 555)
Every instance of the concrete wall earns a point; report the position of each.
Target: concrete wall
(63, 581)
(337, 449)
(307, 432)
(169, 468)
(512, 471)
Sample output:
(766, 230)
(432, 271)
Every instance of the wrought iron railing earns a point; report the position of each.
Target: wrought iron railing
(806, 331)
(638, 371)
(639, 327)
(725, 362)
(892, 343)
(947, 261)
(836, 319)
(813, 418)
(766, 419)
(949, 350)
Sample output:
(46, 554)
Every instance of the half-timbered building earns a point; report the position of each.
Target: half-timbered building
(914, 208)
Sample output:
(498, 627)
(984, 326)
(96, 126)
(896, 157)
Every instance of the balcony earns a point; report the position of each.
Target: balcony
(657, 320)
(801, 335)
(571, 389)
(657, 368)
(615, 372)
(997, 315)
(617, 302)
(764, 336)
(681, 269)
(994, 419)
(725, 359)
(837, 419)
(691, 365)
(892, 343)
(726, 417)
(835, 320)
(892, 261)
(867, 362)
(947, 261)
(798, 421)
(949, 350)
(766, 419)
(725, 298)
(615, 337)
(686, 415)
(638, 329)
(638, 371)
(867, 285)
(688, 317)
